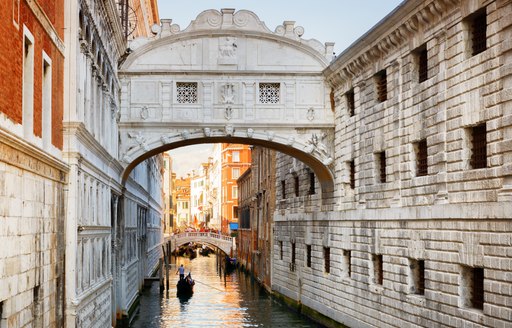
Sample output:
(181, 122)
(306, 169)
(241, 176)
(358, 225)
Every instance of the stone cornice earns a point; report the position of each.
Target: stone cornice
(47, 25)
(389, 34)
(19, 153)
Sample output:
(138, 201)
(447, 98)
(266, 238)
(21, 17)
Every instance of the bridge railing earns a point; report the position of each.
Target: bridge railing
(203, 235)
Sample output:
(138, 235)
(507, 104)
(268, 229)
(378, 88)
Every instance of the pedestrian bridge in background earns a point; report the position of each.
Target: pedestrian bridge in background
(224, 243)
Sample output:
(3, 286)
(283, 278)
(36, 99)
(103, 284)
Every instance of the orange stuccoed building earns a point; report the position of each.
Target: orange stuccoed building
(236, 159)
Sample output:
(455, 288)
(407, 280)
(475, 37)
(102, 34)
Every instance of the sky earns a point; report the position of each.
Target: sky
(338, 21)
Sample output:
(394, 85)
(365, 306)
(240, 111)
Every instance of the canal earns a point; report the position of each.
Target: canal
(232, 300)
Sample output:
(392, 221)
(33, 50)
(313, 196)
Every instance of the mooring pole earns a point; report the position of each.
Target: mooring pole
(160, 274)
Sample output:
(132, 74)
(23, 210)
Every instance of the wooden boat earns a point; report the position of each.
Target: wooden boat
(185, 286)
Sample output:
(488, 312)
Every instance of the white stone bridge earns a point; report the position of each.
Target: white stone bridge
(224, 243)
(228, 78)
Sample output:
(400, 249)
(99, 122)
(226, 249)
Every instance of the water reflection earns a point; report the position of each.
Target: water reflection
(219, 300)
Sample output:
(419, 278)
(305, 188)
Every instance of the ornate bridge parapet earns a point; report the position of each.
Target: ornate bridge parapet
(224, 243)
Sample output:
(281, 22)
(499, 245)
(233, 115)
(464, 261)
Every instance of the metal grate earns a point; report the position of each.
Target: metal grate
(269, 93)
(308, 256)
(348, 261)
(423, 64)
(327, 259)
(422, 155)
(477, 293)
(479, 32)
(352, 174)
(186, 92)
(479, 147)
(351, 105)
(381, 86)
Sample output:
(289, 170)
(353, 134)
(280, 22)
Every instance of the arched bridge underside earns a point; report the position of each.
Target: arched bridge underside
(228, 78)
(224, 243)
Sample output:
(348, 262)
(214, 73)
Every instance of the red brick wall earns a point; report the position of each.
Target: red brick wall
(11, 62)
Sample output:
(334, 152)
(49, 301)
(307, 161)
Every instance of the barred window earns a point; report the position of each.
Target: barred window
(346, 263)
(296, 185)
(186, 92)
(327, 259)
(380, 161)
(479, 147)
(378, 272)
(311, 190)
(421, 158)
(477, 24)
(422, 63)
(472, 287)
(283, 189)
(381, 86)
(352, 174)
(308, 256)
(351, 105)
(417, 272)
(280, 249)
(269, 93)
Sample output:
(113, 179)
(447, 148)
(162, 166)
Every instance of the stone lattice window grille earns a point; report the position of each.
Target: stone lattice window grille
(478, 136)
(308, 256)
(351, 104)
(381, 87)
(270, 93)
(327, 259)
(477, 24)
(471, 289)
(417, 273)
(186, 92)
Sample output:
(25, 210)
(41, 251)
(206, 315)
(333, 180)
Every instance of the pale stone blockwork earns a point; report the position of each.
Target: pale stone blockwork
(447, 211)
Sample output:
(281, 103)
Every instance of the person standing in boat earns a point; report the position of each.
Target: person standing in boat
(181, 271)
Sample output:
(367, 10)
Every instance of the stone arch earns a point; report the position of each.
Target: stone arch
(221, 248)
(310, 154)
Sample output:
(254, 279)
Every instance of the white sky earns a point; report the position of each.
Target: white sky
(339, 21)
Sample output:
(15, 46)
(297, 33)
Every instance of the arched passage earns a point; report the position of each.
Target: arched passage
(309, 155)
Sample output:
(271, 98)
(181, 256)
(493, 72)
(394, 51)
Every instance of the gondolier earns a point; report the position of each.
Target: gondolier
(181, 271)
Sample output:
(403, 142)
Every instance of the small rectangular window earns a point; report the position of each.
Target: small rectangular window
(292, 263)
(281, 250)
(283, 189)
(46, 100)
(417, 272)
(234, 191)
(380, 159)
(421, 158)
(472, 287)
(308, 256)
(235, 212)
(235, 157)
(351, 105)
(311, 183)
(422, 55)
(235, 173)
(296, 185)
(28, 84)
(346, 264)
(381, 86)
(378, 272)
(269, 93)
(477, 24)
(186, 92)
(478, 146)
(352, 174)
(327, 259)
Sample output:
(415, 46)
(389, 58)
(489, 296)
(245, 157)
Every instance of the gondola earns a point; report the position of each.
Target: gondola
(185, 286)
